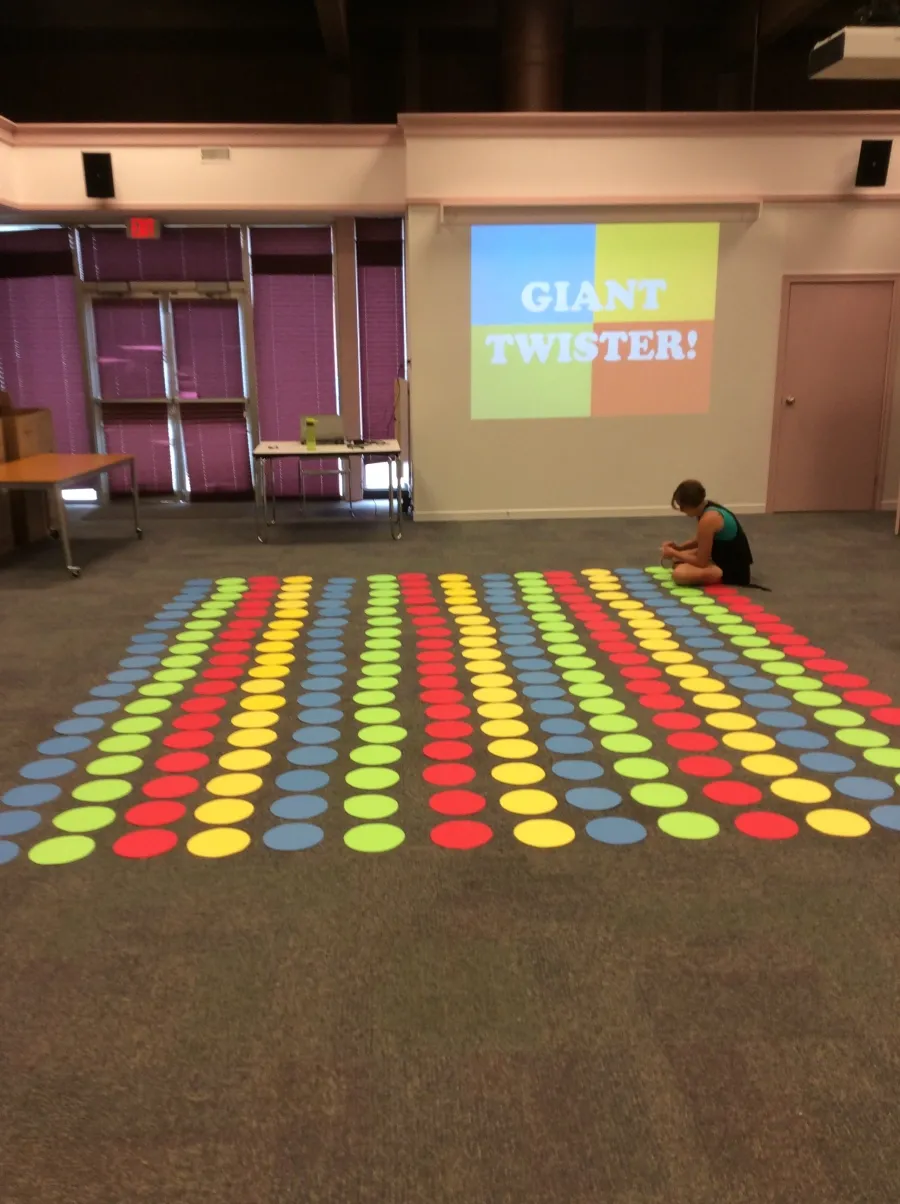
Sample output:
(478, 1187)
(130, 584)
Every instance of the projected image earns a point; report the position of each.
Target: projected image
(572, 321)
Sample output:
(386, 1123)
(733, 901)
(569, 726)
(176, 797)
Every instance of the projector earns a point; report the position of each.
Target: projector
(858, 52)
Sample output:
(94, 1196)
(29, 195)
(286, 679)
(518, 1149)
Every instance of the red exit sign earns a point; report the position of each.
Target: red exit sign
(143, 227)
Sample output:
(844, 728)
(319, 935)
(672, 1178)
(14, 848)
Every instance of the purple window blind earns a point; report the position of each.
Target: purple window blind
(141, 431)
(208, 349)
(40, 352)
(218, 452)
(382, 342)
(129, 349)
(192, 253)
(295, 341)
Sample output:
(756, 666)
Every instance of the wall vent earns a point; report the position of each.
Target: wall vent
(215, 154)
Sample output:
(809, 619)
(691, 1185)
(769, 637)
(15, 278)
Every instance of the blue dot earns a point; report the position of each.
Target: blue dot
(533, 663)
(31, 796)
(290, 838)
(64, 746)
(562, 727)
(570, 746)
(321, 683)
(318, 700)
(111, 691)
(172, 612)
(827, 763)
(516, 638)
(53, 767)
(312, 755)
(769, 702)
(718, 658)
(316, 735)
(703, 643)
(320, 716)
(506, 609)
(139, 662)
(552, 708)
(95, 708)
(12, 823)
(781, 719)
(539, 679)
(201, 581)
(578, 771)
(753, 683)
(8, 851)
(162, 625)
(123, 675)
(324, 645)
(143, 638)
(802, 739)
(593, 798)
(299, 806)
(77, 727)
(143, 649)
(301, 781)
(544, 692)
(615, 829)
(736, 671)
(327, 623)
(326, 658)
(869, 790)
(342, 580)
(333, 667)
(495, 577)
(888, 817)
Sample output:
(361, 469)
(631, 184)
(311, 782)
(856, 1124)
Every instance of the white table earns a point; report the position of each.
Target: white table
(264, 453)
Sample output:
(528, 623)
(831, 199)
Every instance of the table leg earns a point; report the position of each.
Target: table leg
(394, 498)
(347, 464)
(260, 501)
(63, 528)
(135, 501)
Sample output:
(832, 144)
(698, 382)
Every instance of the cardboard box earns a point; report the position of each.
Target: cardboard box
(27, 432)
(7, 541)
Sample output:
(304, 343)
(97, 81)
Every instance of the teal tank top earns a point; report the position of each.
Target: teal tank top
(729, 523)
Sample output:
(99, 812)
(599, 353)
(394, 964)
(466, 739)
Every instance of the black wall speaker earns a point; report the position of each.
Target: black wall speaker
(874, 161)
(98, 176)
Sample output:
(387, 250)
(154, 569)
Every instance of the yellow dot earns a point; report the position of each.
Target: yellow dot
(659, 645)
(484, 681)
(834, 822)
(291, 612)
(499, 710)
(263, 702)
(475, 620)
(218, 842)
(464, 610)
(282, 625)
(731, 723)
(493, 695)
(297, 580)
(274, 646)
(646, 626)
(748, 741)
(233, 785)
(252, 737)
(245, 758)
(627, 604)
(513, 750)
(268, 672)
(491, 653)
(801, 790)
(452, 577)
(487, 668)
(528, 802)
(609, 595)
(768, 766)
(255, 719)
(672, 658)
(544, 833)
(224, 811)
(478, 641)
(504, 728)
(276, 658)
(717, 702)
(685, 671)
(702, 685)
(517, 773)
(282, 634)
(478, 630)
(266, 686)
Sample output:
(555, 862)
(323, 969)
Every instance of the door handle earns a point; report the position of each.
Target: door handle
(789, 401)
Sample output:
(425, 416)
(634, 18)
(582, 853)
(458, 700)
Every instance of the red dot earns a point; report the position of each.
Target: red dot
(847, 681)
(642, 673)
(437, 683)
(628, 658)
(461, 834)
(188, 740)
(448, 711)
(766, 825)
(651, 686)
(692, 741)
(867, 698)
(231, 646)
(772, 627)
(661, 702)
(435, 644)
(434, 658)
(621, 645)
(425, 620)
(196, 723)
(182, 762)
(732, 794)
(151, 843)
(448, 730)
(704, 767)
(803, 652)
(457, 802)
(217, 688)
(203, 706)
(438, 670)
(447, 750)
(826, 664)
(441, 696)
(228, 659)
(889, 715)
(679, 722)
(434, 632)
(171, 787)
(780, 640)
(152, 815)
(448, 775)
(220, 674)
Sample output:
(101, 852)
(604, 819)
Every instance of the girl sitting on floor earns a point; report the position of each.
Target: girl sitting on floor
(721, 550)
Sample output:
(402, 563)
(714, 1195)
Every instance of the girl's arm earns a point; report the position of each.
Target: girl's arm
(700, 553)
(685, 547)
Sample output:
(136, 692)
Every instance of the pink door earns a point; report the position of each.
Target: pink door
(827, 446)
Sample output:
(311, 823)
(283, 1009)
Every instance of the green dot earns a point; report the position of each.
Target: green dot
(582, 676)
(148, 706)
(109, 790)
(380, 658)
(602, 706)
(383, 734)
(574, 662)
(560, 650)
(380, 644)
(613, 723)
(688, 825)
(641, 767)
(590, 689)
(817, 698)
(840, 718)
(381, 577)
(193, 638)
(372, 778)
(370, 806)
(232, 581)
(560, 631)
(627, 744)
(181, 662)
(61, 850)
(188, 649)
(782, 668)
(748, 641)
(123, 744)
(380, 670)
(210, 612)
(659, 794)
(762, 654)
(528, 575)
(375, 754)
(544, 608)
(111, 767)
(732, 629)
(888, 757)
(376, 715)
(174, 675)
(161, 689)
(862, 738)
(136, 726)
(372, 698)
(202, 625)
(84, 819)
(385, 622)
(793, 684)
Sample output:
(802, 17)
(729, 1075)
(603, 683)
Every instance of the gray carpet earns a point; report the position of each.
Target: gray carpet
(667, 1024)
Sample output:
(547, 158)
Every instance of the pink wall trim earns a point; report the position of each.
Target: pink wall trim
(111, 135)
